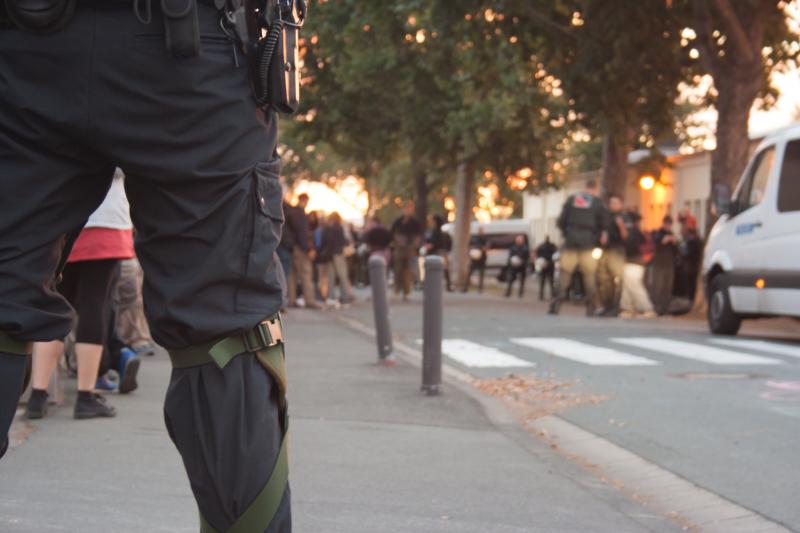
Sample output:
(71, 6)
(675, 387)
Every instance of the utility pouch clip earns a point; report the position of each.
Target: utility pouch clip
(181, 27)
(40, 16)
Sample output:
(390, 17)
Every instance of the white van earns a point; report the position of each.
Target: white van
(499, 235)
(751, 265)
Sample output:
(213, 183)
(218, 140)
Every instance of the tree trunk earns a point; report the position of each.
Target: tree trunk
(734, 101)
(459, 257)
(615, 166)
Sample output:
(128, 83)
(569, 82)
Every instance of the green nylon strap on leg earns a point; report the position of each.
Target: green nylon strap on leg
(261, 511)
(9, 344)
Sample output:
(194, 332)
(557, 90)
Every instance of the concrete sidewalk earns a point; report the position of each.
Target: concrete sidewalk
(369, 453)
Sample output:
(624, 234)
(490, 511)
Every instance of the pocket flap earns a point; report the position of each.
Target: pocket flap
(177, 8)
(269, 192)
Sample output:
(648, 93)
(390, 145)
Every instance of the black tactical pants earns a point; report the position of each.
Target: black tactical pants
(202, 180)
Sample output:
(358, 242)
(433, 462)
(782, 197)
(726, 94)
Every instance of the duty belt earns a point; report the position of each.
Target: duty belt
(265, 340)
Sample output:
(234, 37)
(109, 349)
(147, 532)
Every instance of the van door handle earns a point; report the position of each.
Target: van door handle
(757, 224)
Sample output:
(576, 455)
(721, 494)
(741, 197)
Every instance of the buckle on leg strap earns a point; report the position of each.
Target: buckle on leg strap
(264, 335)
(261, 511)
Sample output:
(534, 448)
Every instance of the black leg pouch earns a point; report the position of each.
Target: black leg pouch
(181, 27)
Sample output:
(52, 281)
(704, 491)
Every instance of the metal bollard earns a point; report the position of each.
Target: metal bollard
(380, 307)
(432, 325)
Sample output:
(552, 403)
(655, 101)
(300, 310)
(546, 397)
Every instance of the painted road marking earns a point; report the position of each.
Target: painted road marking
(762, 346)
(582, 352)
(478, 356)
(698, 352)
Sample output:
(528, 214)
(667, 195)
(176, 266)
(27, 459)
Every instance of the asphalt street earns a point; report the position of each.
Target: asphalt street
(723, 413)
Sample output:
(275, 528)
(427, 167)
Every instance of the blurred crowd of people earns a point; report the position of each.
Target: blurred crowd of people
(619, 269)
(606, 259)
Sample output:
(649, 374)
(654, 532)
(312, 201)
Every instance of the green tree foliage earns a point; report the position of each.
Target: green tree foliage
(443, 85)
(739, 43)
(620, 63)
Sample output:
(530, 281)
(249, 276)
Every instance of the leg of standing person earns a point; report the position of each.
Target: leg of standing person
(550, 276)
(12, 375)
(207, 210)
(567, 263)
(323, 271)
(641, 298)
(617, 265)
(340, 267)
(626, 301)
(523, 274)
(87, 285)
(481, 273)
(303, 266)
(511, 273)
(588, 266)
(604, 284)
(542, 280)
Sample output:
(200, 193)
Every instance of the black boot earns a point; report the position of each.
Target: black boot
(91, 405)
(37, 404)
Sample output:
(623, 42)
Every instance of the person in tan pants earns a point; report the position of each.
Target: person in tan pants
(302, 255)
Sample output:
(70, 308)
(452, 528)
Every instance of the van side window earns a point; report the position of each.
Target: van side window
(755, 186)
(789, 186)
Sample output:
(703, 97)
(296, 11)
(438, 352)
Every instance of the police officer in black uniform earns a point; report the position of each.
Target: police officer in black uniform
(583, 222)
(180, 94)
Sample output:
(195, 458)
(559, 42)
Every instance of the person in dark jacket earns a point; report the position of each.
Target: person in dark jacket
(478, 245)
(544, 257)
(303, 255)
(407, 236)
(517, 266)
(664, 266)
(583, 222)
(439, 243)
(331, 262)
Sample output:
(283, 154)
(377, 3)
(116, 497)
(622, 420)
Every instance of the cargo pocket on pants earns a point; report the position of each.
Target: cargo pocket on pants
(261, 286)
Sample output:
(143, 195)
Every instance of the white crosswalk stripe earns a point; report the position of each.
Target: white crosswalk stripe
(478, 356)
(695, 351)
(761, 346)
(582, 352)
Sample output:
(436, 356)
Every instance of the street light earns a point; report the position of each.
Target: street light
(647, 182)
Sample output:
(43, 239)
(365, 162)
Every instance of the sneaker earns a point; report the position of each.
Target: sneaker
(555, 306)
(128, 369)
(626, 314)
(648, 314)
(106, 385)
(301, 302)
(144, 349)
(37, 405)
(89, 405)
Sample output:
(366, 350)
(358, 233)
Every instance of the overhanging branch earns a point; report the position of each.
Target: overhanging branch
(736, 32)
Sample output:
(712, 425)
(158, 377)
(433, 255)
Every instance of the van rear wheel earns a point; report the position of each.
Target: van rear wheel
(721, 318)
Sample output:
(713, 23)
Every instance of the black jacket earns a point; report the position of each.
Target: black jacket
(296, 225)
(521, 251)
(583, 219)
